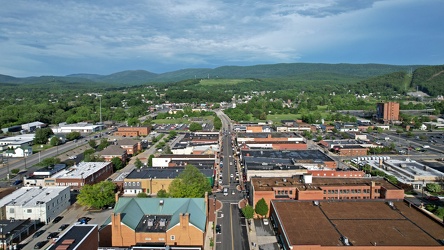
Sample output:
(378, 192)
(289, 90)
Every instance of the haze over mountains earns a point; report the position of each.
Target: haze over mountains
(257, 71)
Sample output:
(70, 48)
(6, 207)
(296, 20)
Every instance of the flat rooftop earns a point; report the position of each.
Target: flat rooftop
(82, 170)
(186, 157)
(268, 183)
(294, 155)
(162, 173)
(269, 135)
(30, 196)
(364, 223)
(74, 236)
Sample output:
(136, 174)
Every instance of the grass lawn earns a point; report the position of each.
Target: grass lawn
(278, 118)
(37, 148)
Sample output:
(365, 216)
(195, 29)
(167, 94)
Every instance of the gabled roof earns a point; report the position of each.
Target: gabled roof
(133, 209)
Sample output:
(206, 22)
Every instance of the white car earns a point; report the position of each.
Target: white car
(231, 175)
(265, 221)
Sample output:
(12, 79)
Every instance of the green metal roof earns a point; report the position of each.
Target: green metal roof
(133, 209)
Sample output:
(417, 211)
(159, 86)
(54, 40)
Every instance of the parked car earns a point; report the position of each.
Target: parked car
(63, 227)
(265, 220)
(38, 233)
(84, 220)
(40, 244)
(433, 198)
(52, 235)
(57, 219)
(218, 229)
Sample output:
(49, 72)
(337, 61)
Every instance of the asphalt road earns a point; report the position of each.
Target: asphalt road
(234, 232)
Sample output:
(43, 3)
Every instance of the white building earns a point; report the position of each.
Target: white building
(17, 141)
(36, 203)
(81, 127)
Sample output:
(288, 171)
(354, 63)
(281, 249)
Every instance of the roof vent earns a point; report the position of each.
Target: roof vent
(316, 203)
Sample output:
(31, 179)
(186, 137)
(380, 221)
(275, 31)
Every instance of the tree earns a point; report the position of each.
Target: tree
(51, 161)
(42, 135)
(117, 163)
(195, 127)
(150, 160)
(261, 207)
(142, 195)
(138, 163)
(103, 144)
(433, 187)
(72, 136)
(162, 194)
(97, 195)
(92, 143)
(55, 141)
(248, 211)
(190, 183)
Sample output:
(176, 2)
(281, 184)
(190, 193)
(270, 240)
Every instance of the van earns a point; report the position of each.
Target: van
(225, 191)
(426, 146)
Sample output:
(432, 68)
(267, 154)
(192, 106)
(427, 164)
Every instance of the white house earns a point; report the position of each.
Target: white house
(36, 203)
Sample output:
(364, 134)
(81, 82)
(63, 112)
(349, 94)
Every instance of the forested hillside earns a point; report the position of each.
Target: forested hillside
(429, 80)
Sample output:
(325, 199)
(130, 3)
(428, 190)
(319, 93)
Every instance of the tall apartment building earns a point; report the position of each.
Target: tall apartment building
(388, 112)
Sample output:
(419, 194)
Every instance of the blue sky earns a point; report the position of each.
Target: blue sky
(106, 36)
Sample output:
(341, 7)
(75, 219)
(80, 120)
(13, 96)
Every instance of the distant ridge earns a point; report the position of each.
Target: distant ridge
(257, 71)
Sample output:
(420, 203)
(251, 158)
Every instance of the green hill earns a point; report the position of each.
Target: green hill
(429, 80)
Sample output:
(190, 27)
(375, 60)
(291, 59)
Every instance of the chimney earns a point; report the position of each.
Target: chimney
(116, 196)
(184, 219)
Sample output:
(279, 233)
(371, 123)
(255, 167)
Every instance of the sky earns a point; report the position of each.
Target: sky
(39, 37)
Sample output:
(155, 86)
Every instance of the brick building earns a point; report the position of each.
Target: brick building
(305, 187)
(359, 224)
(130, 145)
(132, 131)
(83, 173)
(159, 222)
(151, 180)
(387, 112)
(114, 151)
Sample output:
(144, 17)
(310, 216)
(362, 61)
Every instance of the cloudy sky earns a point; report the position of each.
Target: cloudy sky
(63, 37)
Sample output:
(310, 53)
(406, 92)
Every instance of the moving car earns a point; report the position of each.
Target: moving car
(218, 229)
(225, 191)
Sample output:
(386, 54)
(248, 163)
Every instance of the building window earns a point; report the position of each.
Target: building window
(172, 237)
(11, 210)
(29, 211)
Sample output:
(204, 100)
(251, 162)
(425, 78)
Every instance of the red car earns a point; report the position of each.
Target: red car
(432, 198)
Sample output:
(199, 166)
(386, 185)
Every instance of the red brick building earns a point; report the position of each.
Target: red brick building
(83, 173)
(306, 187)
(132, 131)
(388, 112)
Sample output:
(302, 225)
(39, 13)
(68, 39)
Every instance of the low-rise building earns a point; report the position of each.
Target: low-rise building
(78, 175)
(282, 163)
(35, 203)
(81, 127)
(170, 160)
(132, 131)
(159, 222)
(151, 180)
(81, 237)
(114, 151)
(18, 141)
(38, 177)
(13, 231)
(130, 145)
(305, 187)
(364, 224)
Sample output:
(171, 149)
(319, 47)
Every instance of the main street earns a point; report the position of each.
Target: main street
(234, 232)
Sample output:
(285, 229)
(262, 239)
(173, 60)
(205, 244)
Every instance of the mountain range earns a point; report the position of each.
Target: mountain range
(132, 77)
